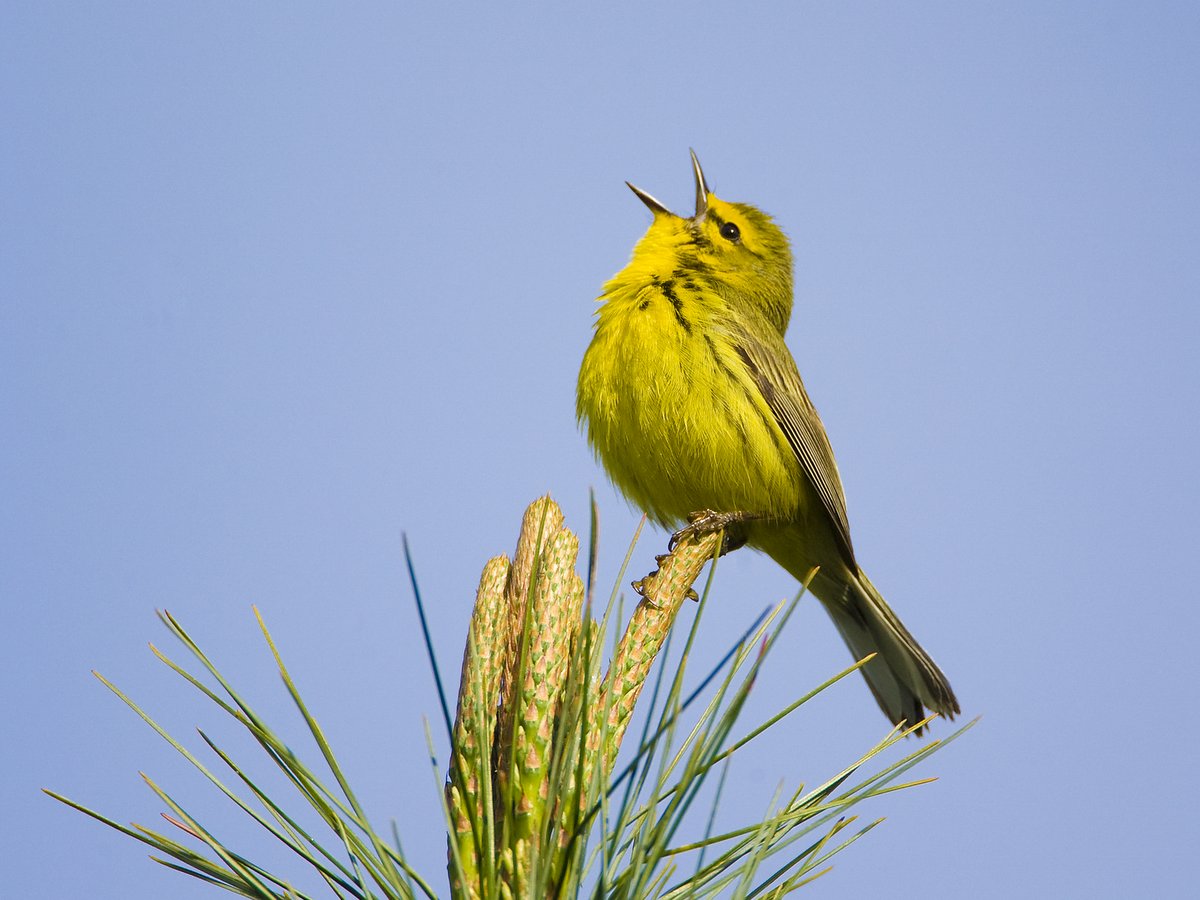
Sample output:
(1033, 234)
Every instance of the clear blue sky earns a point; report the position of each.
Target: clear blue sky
(279, 282)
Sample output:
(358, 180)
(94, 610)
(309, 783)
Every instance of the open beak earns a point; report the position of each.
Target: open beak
(655, 206)
(701, 187)
(702, 192)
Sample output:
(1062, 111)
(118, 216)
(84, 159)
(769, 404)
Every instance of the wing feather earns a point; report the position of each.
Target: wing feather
(774, 372)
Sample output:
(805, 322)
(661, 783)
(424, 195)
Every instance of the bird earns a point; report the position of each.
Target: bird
(694, 406)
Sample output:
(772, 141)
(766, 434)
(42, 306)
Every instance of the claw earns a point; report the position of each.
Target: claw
(700, 523)
(706, 521)
(640, 587)
(698, 526)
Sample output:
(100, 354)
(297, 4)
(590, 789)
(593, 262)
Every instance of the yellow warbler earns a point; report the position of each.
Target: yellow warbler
(696, 409)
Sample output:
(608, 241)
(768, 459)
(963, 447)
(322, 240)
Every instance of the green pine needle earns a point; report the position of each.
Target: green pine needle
(534, 804)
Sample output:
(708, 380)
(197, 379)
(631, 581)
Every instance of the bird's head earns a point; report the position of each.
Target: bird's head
(734, 248)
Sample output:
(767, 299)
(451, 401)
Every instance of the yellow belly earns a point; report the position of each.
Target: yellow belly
(677, 420)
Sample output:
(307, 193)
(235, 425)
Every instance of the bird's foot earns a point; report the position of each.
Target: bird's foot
(642, 585)
(708, 521)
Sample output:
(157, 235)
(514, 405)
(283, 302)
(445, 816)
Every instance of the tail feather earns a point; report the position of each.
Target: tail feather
(903, 678)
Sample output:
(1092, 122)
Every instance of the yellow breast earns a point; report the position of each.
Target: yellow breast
(672, 412)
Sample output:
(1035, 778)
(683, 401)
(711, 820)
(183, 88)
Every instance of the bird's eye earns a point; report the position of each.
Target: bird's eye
(731, 232)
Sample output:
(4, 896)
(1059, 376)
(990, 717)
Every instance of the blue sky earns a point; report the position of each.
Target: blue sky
(279, 283)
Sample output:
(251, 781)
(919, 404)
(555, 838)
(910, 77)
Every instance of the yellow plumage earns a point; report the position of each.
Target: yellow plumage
(694, 404)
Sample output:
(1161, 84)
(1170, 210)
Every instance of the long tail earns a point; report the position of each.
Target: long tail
(904, 680)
